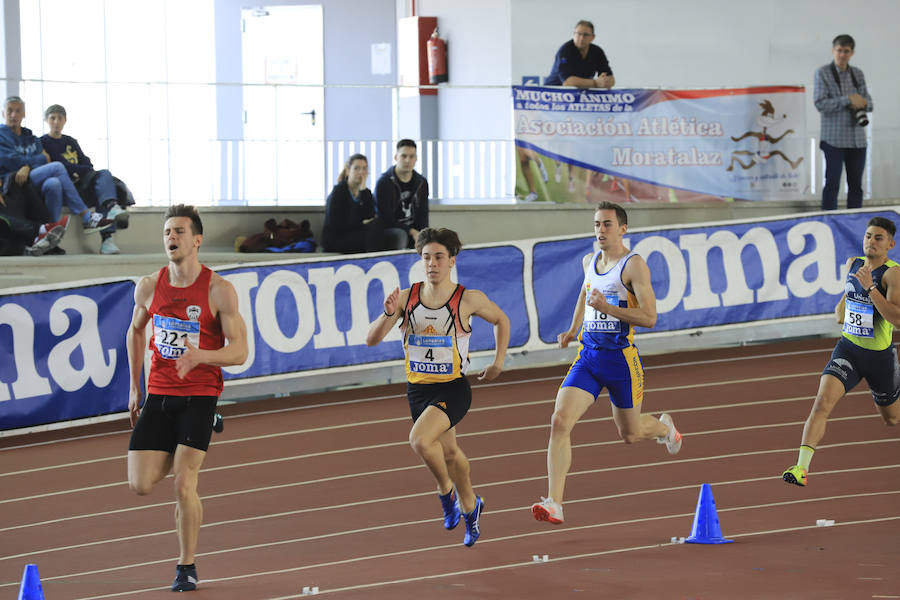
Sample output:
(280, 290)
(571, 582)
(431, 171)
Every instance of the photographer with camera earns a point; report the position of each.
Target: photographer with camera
(840, 95)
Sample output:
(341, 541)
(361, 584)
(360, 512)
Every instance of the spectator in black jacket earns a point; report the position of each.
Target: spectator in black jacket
(402, 199)
(97, 188)
(351, 224)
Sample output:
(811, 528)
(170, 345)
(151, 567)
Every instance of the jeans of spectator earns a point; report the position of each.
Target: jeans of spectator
(835, 160)
(105, 189)
(56, 187)
(396, 238)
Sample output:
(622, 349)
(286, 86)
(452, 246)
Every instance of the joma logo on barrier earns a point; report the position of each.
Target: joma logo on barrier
(261, 313)
(83, 346)
(694, 266)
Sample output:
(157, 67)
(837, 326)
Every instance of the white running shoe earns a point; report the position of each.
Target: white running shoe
(531, 197)
(543, 170)
(673, 439)
(547, 510)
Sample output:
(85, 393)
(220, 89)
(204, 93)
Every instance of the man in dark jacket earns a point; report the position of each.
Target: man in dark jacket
(401, 197)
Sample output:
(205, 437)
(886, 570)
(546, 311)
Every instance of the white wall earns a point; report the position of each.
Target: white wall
(725, 43)
(478, 54)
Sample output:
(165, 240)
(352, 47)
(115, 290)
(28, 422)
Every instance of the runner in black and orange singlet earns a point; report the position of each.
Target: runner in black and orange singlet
(434, 317)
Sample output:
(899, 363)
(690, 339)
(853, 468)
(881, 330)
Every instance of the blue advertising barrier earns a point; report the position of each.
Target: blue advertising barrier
(715, 275)
(63, 355)
(309, 316)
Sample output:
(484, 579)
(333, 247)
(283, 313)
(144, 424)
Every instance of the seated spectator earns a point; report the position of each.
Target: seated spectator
(401, 195)
(580, 63)
(23, 159)
(350, 221)
(97, 188)
(19, 235)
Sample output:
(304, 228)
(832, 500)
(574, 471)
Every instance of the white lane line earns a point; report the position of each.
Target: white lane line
(558, 559)
(456, 545)
(318, 510)
(410, 466)
(394, 498)
(401, 395)
(474, 410)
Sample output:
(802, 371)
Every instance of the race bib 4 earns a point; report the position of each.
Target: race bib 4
(430, 354)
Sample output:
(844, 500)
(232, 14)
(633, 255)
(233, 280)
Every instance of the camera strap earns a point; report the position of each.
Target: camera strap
(837, 78)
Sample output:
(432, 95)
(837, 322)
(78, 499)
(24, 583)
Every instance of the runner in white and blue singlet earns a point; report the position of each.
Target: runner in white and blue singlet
(869, 311)
(616, 296)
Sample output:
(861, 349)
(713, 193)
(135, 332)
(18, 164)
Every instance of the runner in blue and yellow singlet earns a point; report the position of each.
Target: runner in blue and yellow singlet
(616, 296)
(434, 318)
(869, 311)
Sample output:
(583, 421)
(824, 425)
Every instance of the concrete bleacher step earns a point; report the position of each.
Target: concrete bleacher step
(17, 271)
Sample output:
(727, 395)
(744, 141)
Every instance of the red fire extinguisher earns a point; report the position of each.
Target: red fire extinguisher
(437, 58)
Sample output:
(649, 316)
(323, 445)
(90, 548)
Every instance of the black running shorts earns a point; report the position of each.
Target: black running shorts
(879, 368)
(167, 421)
(452, 397)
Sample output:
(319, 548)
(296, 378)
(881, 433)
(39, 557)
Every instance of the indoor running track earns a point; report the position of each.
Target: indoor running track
(323, 490)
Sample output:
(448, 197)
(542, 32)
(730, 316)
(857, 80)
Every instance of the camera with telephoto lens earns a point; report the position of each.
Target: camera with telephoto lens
(859, 115)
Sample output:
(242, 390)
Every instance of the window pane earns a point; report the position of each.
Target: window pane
(65, 55)
(135, 41)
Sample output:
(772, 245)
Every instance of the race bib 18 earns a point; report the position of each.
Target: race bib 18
(597, 321)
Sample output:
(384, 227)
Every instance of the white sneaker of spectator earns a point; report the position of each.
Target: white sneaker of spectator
(119, 215)
(108, 246)
(531, 197)
(93, 222)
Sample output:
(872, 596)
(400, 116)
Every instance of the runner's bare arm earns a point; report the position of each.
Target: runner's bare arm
(637, 275)
(477, 303)
(224, 303)
(578, 315)
(839, 307)
(889, 304)
(394, 305)
(136, 343)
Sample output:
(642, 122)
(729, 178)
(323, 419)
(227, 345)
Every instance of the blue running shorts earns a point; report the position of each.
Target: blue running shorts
(618, 370)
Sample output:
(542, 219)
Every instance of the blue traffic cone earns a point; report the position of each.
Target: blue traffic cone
(31, 584)
(706, 528)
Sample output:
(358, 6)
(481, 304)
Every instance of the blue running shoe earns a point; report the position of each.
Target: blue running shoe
(473, 522)
(186, 579)
(452, 513)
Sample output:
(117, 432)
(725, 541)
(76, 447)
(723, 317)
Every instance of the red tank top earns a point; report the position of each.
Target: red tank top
(177, 315)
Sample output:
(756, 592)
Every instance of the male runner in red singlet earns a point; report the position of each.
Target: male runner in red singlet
(193, 312)
(434, 316)
(616, 295)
